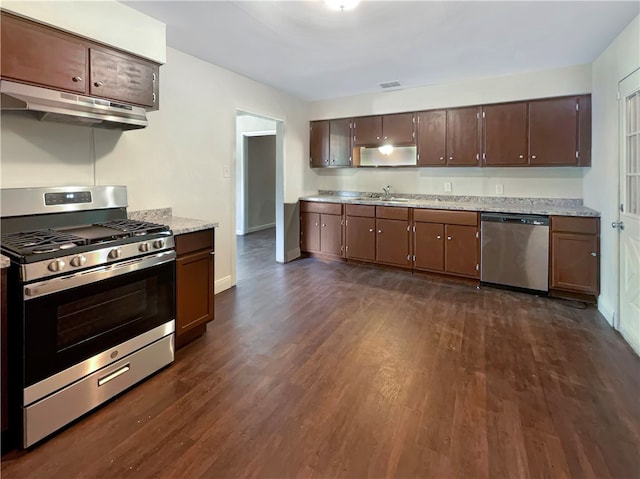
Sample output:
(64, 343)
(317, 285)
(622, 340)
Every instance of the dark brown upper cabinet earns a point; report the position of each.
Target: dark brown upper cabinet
(330, 143)
(396, 129)
(463, 136)
(432, 138)
(553, 132)
(505, 134)
(40, 55)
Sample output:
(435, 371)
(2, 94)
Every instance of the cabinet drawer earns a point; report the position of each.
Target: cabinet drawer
(465, 218)
(574, 224)
(361, 210)
(392, 212)
(326, 208)
(196, 241)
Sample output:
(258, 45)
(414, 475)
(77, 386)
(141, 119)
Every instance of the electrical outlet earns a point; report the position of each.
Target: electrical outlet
(447, 187)
(499, 189)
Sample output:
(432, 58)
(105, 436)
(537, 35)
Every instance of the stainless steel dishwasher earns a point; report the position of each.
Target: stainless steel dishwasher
(515, 250)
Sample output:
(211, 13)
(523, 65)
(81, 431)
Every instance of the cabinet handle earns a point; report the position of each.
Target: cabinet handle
(76, 79)
(594, 254)
(213, 253)
(154, 97)
(449, 237)
(98, 84)
(438, 237)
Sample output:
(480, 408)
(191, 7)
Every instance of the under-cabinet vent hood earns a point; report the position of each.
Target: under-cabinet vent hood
(62, 107)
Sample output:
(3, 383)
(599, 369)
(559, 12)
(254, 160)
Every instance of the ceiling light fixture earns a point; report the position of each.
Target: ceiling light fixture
(341, 5)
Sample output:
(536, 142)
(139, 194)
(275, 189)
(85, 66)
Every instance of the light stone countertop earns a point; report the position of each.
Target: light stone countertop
(4, 261)
(177, 224)
(537, 206)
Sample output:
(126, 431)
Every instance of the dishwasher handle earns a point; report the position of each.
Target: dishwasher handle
(534, 220)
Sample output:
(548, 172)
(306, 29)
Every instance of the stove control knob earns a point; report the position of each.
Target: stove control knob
(157, 244)
(57, 265)
(144, 247)
(77, 261)
(115, 253)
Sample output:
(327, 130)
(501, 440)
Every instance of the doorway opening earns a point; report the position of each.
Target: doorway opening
(259, 190)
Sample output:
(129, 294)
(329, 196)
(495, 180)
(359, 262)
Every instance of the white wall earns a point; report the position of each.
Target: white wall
(534, 182)
(106, 21)
(177, 161)
(601, 183)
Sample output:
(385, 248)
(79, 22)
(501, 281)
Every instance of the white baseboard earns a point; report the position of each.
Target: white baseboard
(607, 311)
(222, 284)
(292, 254)
(253, 229)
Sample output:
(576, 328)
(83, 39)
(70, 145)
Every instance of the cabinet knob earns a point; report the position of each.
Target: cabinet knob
(370, 230)
(442, 158)
(386, 137)
(316, 224)
(77, 79)
(324, 226)
(521, 156)
(98, 84)
(594, 254)
(379, 232)
(438, 237)
(533, 157)
(449, 237)
(377, 137)
(451, 157)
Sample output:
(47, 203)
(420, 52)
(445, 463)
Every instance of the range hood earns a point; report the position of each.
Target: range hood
(62, 107)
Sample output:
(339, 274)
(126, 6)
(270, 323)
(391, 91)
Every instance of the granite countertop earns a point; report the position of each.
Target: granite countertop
(178, 225)
(4, 261)
(538, 206)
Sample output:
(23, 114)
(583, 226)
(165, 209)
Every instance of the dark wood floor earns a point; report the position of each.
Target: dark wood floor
(317, 369)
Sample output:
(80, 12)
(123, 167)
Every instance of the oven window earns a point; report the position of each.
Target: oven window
(62, 329)
(86, 318)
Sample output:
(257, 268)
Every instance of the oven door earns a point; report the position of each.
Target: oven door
(71, 319)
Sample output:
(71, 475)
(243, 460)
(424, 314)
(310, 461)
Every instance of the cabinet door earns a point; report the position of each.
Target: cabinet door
(319, 143)
(35, 54)
(340, 142)
(462, 136)
(574, 262)
(429, 246)
(392, 242)
(361, 238)
(397, 129)
(194, 290)
(553, 132)
(431, 138)
(122, 78)
(367, 130)
(505, 134)
(461, 250)
(310, 232)
(331, 234)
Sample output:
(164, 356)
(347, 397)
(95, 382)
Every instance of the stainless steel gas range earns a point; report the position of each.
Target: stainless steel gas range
(91, 301)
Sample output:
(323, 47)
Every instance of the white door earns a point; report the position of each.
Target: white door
(629, 224)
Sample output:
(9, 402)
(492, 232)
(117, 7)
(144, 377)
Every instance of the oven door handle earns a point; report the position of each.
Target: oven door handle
(82, 278)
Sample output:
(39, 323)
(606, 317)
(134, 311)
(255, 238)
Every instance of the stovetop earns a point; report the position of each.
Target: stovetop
(49, 243)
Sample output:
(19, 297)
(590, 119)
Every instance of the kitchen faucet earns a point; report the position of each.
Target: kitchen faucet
(386, 190)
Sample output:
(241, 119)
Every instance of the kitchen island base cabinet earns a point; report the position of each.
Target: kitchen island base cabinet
(194, 284)
(574, 257)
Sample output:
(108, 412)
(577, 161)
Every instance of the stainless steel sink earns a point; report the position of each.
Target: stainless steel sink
(386, 200)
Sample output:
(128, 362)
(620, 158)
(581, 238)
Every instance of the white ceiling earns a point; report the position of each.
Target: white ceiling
(309, 51)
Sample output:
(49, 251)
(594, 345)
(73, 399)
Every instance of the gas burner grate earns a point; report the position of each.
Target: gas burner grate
(134, 227)
(40, 241)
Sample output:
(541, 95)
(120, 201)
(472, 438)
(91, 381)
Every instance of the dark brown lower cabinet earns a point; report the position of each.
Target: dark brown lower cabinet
(321, 228)
(361, 238)
(446, 242)
(194, 284)
(575, 255)
(393, 239)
